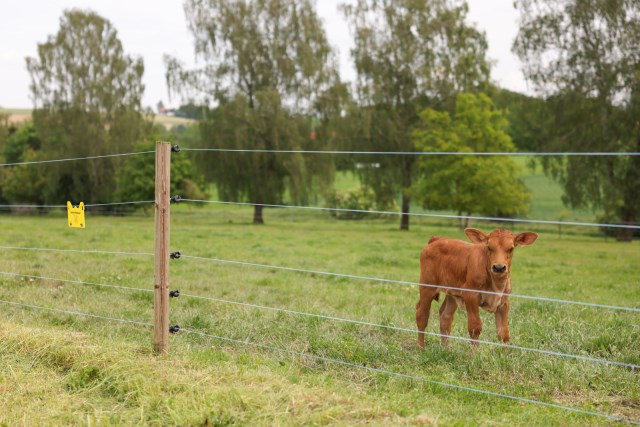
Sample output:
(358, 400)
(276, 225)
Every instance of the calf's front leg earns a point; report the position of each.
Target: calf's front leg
(471, 303)
(502, 322)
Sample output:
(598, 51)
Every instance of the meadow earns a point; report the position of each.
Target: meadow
(247, 355)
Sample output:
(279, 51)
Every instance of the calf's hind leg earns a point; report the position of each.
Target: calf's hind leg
(423, 308)
(447, 312)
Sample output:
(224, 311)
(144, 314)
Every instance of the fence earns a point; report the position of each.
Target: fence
(162, 294)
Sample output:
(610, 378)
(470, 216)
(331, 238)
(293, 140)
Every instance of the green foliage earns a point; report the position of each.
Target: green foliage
(362, 199)
(136, 179)
(5, 130)
(255, 46)
(23, 183)
(257, 177)
(87, 95)
(4, 135)
(20, 142)
(268, 64)
(409, 54)
(486, 185)
(582, 57)
(522, 113)
(193, 111)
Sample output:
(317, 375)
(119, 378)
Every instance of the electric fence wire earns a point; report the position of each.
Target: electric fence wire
(331, 274)
(35, 162)
(85, 251)
(424, 215)
(339, 319)
(78, 282)
(414, 378)
(340, 362)
(74, 313)
(417, 153)
(90, 205)
(299, 354)
(415, 331)
(400, 282)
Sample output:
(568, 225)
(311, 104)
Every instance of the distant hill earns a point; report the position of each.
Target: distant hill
(171, 121)
(19, 115)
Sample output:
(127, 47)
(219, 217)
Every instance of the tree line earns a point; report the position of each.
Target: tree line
(268, 80)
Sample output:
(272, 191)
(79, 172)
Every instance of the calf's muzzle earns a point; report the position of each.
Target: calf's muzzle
(499, 268)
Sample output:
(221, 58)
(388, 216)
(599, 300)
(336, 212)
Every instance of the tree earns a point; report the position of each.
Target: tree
(5, 129)
(524, 125)
(20, 183)
(19, 142)
(23, 183)
(582, 57)
(409, 54)
(87, 98)
(266, 62)
(486, 185)
(259, 177)
(136, 179)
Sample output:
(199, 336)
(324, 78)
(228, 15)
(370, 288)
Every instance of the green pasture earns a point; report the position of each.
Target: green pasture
(65, 369)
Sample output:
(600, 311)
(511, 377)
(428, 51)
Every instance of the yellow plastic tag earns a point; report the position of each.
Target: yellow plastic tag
(75, 214)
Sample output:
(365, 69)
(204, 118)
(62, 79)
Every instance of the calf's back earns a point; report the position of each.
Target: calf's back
(453, 263)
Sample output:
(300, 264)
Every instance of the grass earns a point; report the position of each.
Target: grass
(64, 369)
(61, 369)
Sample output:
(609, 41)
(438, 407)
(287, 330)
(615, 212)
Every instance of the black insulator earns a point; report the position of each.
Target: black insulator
(175, 255)
(176, 199)
(174, 294)
(174, 329)
(175, 149)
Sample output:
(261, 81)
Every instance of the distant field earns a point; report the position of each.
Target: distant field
(19, 115)
(170, 121)
(65, 369)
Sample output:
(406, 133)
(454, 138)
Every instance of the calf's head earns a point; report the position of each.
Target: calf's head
(500, 245)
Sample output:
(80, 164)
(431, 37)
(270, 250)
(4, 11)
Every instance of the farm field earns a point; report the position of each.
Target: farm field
(19, 115)
(276, 367)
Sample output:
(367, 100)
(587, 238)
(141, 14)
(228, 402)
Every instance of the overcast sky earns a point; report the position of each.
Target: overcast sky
(151, 28)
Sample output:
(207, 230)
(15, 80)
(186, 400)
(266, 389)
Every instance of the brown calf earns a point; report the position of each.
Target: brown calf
(482, 265)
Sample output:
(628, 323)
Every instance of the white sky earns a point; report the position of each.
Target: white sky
(152, 28)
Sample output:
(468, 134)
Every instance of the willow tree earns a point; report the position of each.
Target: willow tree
(87, 102)
(265, 64)
(582, 57)
(409, 55)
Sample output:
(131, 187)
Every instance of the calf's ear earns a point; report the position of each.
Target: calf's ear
(475, 235)
(526, 239)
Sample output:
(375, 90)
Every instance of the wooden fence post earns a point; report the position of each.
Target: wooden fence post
(161, 273)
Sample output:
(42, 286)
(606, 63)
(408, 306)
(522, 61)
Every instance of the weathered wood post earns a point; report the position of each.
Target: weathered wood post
(161, 274)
